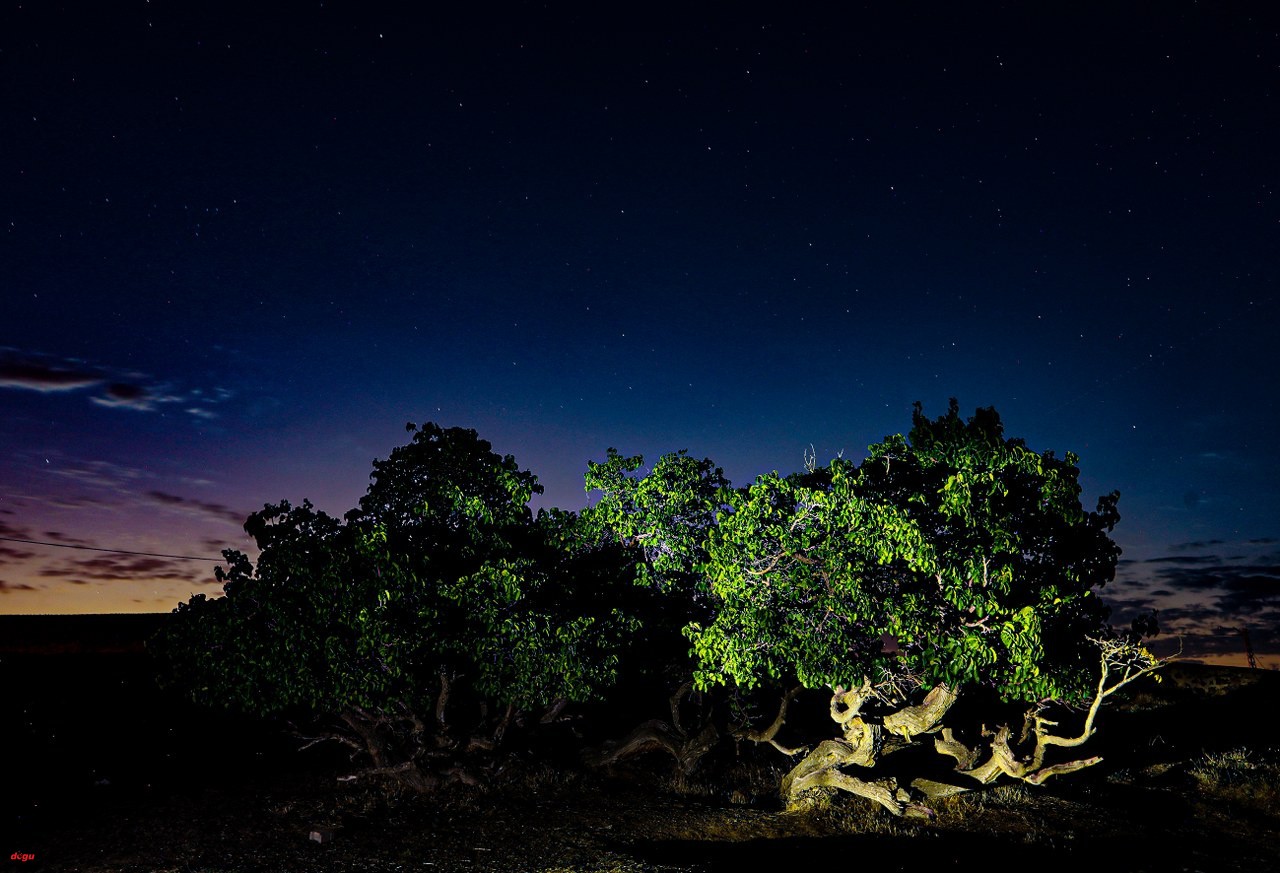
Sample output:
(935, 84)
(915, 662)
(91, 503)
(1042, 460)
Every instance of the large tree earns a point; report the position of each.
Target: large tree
(951, 561)
(441, 590)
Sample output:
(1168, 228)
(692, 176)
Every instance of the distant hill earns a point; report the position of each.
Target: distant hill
(77, 634)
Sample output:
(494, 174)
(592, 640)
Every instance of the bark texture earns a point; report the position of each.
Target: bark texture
(864, 743)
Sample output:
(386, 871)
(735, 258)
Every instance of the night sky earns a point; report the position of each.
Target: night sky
(241, 249)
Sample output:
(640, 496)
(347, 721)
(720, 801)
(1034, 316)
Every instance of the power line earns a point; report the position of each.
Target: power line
(113, 551)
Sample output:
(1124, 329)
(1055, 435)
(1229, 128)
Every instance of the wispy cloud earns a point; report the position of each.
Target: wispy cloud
(42, 377)
(1207, 599)
(118, 568)
(9, 554)
(124, 395)
(197, 507)
(1196, 545)
(14, 530)
(10, 587)
(99, 474)
(59, 537)
(112, 388)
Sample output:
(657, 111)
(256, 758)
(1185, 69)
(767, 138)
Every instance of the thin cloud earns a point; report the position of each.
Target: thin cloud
(125, 395)
(15, 531)
(59, 537)
(118, 388)
(10, 587)
(9, 554)
(119, 568)
(32, 375)
(198, 507)
(78, 502)
(100, 474)
(1197, 545)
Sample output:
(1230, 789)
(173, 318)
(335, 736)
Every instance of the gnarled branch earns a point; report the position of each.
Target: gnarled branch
(769, 734)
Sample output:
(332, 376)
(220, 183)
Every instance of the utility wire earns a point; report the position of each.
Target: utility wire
(113, 551)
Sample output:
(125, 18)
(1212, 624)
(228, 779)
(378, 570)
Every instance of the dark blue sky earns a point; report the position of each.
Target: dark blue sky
(241, 249)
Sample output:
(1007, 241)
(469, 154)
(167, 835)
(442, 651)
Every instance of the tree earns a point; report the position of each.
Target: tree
(953, 559)
(662, 520)
(441, 584)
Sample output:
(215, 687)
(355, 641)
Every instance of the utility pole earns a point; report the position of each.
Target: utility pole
(1248, 648)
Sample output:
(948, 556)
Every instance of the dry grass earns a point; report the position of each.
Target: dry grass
(1240, 776)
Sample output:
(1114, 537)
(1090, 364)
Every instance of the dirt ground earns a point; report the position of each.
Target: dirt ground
(588, 823)
(1154, 804)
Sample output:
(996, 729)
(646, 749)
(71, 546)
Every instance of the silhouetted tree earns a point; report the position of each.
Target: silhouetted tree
(440, 588)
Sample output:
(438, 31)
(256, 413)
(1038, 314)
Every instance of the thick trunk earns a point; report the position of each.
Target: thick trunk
(821, 769)
(388, 761)
(863, 744)
(925, 718)
(687, 745)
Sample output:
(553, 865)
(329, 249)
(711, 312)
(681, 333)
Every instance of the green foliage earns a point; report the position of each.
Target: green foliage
(966, 552)
(660, 522)
(441, 569)
(665, 515)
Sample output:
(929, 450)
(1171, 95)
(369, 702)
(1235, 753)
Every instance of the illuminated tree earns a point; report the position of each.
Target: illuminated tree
(953, 559)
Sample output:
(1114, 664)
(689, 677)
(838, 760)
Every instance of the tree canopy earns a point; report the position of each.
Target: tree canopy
(441, 576)
(953, 556)
(949, 559)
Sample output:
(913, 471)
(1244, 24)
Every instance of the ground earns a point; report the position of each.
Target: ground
(1188, 784)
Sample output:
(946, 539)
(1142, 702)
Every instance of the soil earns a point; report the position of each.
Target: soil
(92, 786)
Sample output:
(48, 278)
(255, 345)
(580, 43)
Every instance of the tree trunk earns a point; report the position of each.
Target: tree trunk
(863, 744)
(821, 769)
(657, 735)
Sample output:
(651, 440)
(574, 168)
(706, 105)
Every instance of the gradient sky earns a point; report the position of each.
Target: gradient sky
(241, 249)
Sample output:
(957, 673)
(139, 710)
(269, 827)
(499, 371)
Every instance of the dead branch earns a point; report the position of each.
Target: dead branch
(947, 744)
(821, 769)
(442, 701)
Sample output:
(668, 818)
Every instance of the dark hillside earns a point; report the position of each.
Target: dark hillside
(77, 634)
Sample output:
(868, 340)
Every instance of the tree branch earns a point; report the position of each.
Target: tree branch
(924, 717)
(769, 734)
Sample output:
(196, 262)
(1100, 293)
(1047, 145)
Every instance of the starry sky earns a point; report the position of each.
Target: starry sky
(240, 249)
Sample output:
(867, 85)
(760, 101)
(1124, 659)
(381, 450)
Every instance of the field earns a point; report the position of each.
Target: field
(104, 772)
